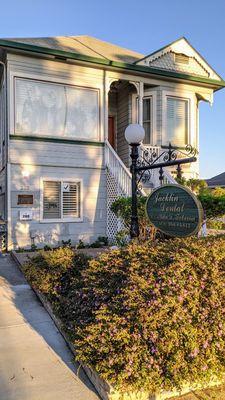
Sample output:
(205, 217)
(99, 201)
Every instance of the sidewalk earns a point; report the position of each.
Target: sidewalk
(35, 362)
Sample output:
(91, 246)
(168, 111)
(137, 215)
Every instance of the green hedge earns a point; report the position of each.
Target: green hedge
(213, 202)
(148, 316)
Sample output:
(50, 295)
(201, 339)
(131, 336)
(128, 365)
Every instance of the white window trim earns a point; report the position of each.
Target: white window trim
(33, 78)
(191, 139)
(147, 94)
(58, 220)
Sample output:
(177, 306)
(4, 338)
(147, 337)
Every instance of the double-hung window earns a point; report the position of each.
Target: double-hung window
(177, 121)
(61, 200)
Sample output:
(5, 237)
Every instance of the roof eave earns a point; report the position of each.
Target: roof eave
(175, 41)
(111, 64)
(161, 49)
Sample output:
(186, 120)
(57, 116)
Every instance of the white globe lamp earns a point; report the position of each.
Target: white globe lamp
(134, 134)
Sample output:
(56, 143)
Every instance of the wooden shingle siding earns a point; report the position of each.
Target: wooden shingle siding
(168, 62)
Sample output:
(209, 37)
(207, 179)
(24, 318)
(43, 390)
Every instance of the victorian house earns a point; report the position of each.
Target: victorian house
(65, 104)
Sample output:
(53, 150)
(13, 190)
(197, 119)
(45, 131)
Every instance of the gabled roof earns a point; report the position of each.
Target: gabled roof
(218, 180)
(198, 66)
(91, 50)
(85, 45)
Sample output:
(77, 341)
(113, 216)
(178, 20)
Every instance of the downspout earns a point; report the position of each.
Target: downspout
(5, 152)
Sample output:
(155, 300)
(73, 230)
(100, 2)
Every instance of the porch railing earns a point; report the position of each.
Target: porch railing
(118, 180)
(122, 174)
(118, 170)
(155, 151)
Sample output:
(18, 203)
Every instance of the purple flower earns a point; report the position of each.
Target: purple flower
(194, 353)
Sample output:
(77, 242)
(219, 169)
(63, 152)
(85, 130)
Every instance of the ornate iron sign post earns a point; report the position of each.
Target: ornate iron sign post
(142, 166)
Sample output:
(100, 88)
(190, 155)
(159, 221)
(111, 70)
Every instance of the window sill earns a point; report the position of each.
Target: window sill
(62, 220)
(56, 139)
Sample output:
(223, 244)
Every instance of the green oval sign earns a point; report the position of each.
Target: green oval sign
(174, 210)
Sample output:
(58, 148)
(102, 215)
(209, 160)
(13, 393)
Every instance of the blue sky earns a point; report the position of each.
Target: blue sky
(144, 26)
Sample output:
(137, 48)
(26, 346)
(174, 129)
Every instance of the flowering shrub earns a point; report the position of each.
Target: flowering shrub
(50, 271)
(154, 316)
(147, 316)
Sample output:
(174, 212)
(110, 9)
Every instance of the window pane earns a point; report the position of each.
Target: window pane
(177, 121)
(147, 125)
(71, 199)
(137, 110)
(82, 113)
(146, 110)
(55, 110)
(52, 200)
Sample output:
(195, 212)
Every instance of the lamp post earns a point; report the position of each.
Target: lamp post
(134, 134)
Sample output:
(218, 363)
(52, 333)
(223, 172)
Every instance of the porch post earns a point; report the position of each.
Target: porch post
(140, 103)
(107, 84)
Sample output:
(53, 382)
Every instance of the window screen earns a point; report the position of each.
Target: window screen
(177, 121)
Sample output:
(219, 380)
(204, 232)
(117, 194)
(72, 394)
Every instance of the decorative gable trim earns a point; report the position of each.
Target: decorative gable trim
(181, 46)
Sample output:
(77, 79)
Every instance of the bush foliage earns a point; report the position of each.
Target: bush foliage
(213, 202)
(196, 185)
(122, 209)
(147, 316)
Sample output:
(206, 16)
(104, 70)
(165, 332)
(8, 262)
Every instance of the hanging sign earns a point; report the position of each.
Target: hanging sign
(174, 210)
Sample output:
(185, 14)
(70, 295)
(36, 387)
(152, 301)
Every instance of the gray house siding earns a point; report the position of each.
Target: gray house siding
(94, 206)
(35, 159)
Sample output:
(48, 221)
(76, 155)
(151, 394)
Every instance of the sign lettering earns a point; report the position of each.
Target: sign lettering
(174, 210)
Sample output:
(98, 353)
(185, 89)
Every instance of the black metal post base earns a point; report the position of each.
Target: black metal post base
(134, 229)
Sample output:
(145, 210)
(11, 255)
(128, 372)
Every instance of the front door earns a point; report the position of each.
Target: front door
(111, 131)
